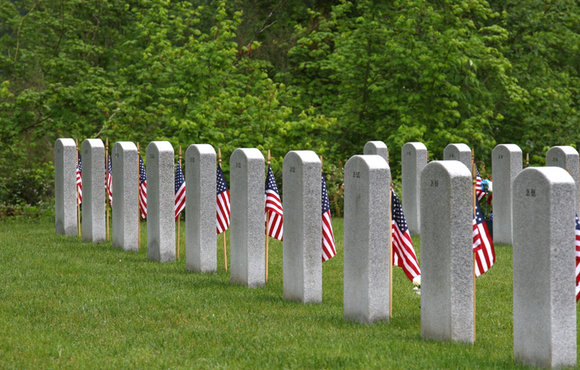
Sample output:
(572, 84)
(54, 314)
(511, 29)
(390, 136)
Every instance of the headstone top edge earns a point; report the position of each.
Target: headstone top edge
(416, 145)
(65, 141)
(94, 143)
(126, 145)
(201, 149)
(454, 167)
(509, 147)
(305, 156)
(160, 146)
(372, 161)
(249, 153)
(552, 174)
(566, 149)
(459, 146)
(376, 143)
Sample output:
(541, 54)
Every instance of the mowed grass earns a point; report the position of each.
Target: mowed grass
(70, 304)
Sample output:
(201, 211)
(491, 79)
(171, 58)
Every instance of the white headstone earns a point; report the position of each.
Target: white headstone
(160, 202)
(200, 209)
(566, 157)
(458, 152)
(302, 252)
(248, 223)
(506, 163)
(93, 205)
(447, 270)
(125, 162)
(366, 239)
(65, 193)
(544, 301)
(413, 160)
(378, 148)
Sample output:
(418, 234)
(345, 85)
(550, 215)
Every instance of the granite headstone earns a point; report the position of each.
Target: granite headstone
(413, 160)
(65, 189)
(302, 251)
(366, 239)
(93, 205)
(126, 184)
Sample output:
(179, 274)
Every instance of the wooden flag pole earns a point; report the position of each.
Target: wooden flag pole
(527, 160)
(179, 217)
(106, 174)
(474, 180)
(390, 247)
(76, 188)
(267, 223)
(139, 202)
(225, 245)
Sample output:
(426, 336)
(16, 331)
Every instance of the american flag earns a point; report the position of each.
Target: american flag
(577, 258)
(478, 187)
(482, 243)
(109, 180)
(274, 210)
(179, 191)
(403, 252)
(223, 202)
(142, 188)
(79, 168)
(328, 247)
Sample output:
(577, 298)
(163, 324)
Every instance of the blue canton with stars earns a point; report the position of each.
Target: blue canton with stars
(142, 174)
(179, 179)
(398, 215)
(221, 185)
(325, 202)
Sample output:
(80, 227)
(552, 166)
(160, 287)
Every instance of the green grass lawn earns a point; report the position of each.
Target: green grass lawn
(65, 303)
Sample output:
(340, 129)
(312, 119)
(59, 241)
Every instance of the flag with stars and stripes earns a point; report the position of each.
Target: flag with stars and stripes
(478, 186)
(403, 252)
(328, 246)
(482, 243)
(179, 191)
(223, 202)
(79, 168)
(142, 188)
(274, 211)
(577, 258)
(109, 180)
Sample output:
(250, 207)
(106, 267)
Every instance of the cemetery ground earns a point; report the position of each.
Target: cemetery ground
(65, 303)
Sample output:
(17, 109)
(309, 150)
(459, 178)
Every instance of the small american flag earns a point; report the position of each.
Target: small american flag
(109, 180)
(328, 246)
(577, 258)
(403, 252)
(223, 202)
(274, 211)
(142, 188)
(179, 191)
(482, 243)
(478, 187)
(79, 168)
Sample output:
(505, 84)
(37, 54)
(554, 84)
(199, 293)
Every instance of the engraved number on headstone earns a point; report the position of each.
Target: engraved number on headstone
(530, 192)
(409, 153)
(356, 174)
(451, 155)
(554, 159)
(238, 165)
(116, 155)
(435, 183)
(58, 151)
(292, 169)
(192, 159)
(152, 156)
(500, 156)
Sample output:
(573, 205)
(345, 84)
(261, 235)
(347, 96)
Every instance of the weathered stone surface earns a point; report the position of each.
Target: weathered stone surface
(247, 229)
(458, 152)
(65, 190)
(125, 163)
(160, 202)
(200, 209)
(93, 205)
(447, 275)
(506, 163)
(366, 239)
(544, 302)
(413, 160)
(302, 190)
(378, 148)
(566, 157)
